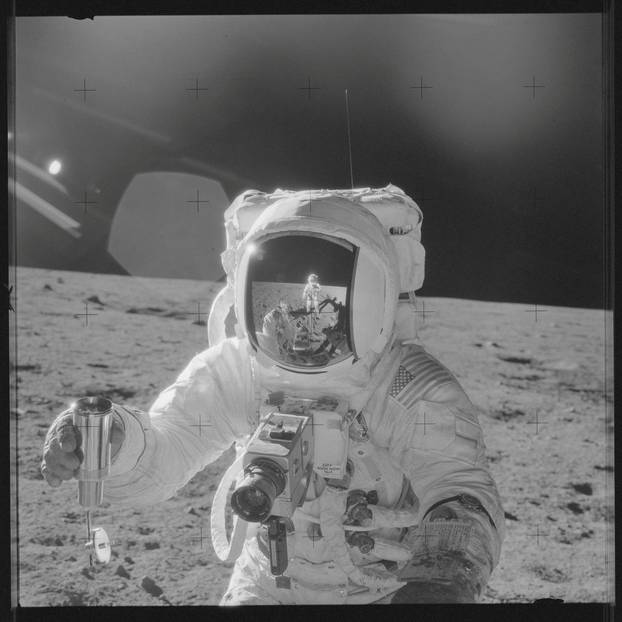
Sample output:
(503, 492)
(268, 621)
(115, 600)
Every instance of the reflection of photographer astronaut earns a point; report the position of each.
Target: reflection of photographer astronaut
(278, 330)
(417, 453)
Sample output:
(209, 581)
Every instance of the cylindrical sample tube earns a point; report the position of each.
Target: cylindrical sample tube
(92, 416)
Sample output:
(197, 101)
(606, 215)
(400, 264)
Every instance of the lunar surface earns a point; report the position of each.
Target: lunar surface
(539, 381)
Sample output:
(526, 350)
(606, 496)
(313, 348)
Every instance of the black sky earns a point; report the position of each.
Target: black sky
(291, 259)
(502, 149)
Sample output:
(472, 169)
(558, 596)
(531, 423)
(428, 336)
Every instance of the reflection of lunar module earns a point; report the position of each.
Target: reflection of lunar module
(309, 331)
(295, 335)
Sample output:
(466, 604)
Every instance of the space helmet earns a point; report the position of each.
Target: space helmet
(349, 238)
(299, 236)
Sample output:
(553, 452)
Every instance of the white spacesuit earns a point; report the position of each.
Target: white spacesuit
(417, 518)
(311, 293)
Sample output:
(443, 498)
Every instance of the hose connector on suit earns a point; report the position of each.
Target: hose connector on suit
(333, 507)
(364, 515)
(379, 518)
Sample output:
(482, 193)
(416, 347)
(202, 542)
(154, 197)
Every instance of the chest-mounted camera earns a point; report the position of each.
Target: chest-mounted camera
(279, 463)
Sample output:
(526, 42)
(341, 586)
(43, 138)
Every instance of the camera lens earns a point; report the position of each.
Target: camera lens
(251, 504)
(263, 482)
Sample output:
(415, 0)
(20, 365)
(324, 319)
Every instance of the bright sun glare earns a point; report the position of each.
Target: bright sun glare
(54, 167)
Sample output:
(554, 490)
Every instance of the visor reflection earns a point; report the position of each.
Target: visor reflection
(299, 290)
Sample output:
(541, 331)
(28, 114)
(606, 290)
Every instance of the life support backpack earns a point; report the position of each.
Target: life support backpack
(399, 215)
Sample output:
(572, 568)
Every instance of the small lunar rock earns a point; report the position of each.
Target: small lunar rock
(128, 560)
(71, 558)
(124, 392)
(86, 573)
(510, 516)
(553, 575)
(145, 530)
(574, 507)
(149, 585)
(191, 510)
(27, 367)
(122, 572)
(150, 546)
(47, 286)
(96, 300)
(520, 360)
(145, 310)
(584, 489)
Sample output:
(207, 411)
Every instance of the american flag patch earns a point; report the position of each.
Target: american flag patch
(402, 378)
(418, 374)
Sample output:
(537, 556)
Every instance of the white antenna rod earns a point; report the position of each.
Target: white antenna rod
(349, 140)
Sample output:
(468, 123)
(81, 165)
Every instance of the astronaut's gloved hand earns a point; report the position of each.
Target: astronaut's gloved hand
(453, 555)
(419, 592)
(61, 453)
(450, 581)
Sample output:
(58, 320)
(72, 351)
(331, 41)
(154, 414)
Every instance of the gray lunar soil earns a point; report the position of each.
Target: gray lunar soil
(546, 412)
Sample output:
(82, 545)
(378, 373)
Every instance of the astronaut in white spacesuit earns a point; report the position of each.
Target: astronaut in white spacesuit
(416, 517)
(311, 293)
(278, 330)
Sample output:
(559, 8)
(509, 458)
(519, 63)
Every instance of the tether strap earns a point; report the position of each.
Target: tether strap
(226, 549)
(466, 501)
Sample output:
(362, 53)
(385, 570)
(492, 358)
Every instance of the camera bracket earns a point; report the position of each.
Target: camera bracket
(277, 544)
